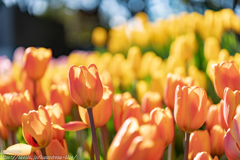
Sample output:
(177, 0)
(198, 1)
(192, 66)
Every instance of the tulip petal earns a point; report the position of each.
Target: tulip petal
(71, 126)
(230, 146)
(235, 129)
(20, 149)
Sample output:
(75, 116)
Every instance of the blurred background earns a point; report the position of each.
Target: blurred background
(66, 25)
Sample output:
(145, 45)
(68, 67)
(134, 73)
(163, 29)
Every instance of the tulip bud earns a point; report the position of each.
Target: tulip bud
(164, 121)
(59, 93)
(212, 117)
(211, 48)
(101, 112)
(37, 128)
(119, 100)
(150, 101)
(231, 148)
(134, 57)
(99, 36)
(13, 106)
(171, 83)
(226, 74)
(217, 140)
(56, 115)
(57, 149)
(85, 85)
(36, 61)
(196, 143)
(231, 101)
(204, 156)
(190, 110)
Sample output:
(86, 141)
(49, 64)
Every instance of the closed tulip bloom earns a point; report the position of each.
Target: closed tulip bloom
(226, 74)
(199, 142)
(231, 101)
(190, 109)
(217, 140)
(134, 57)
(172, 82)
(36, 61)
(221, 116)
(13, 106)
(56, 115)
(4, 132)
(150, 101)
(122, 140)
(57, 149)
(119, 100)
(141, 89)
(163, 119)
(231, 148)
(59, 93)
(211, 48)
(212, 117)
(85, 85)
(37, 128)
(8, 84)
(101, 112)
(99, 36)
(204, 156)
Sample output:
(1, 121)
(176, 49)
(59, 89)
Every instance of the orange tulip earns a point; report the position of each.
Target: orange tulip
(226, 74)
(101, 112)
(37, 131)
(13, 106)
(172, 82)
(57, 149)
(36, 61)
(221, 116)
(150, 101)
(8, 84)
(216, 140)
(163, 119)
(204, 156)
(4, 132)
(196, 143)
(28, 84)
(122, 140)
(212, 117)
(190, 109)
(56, 115)
(231, 148)
(85, 85)
(119, 100)
(59, 93)
(107, 80)
(37, 128)
(231, 101)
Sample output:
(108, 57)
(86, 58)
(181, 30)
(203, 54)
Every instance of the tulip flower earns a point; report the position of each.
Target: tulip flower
(57, 149)
(85, 85)
(196, 143)
(221, 118)
(101, 112)
(171, 83)
(59, 93)
(231, 147)
(56, 115)
(190, 110)
(4, 132)
(211, 48)
(107, 80)
(226, 74)
(119, 100)
(204, 156)
(99, 36)
(141, 89)
(163, 119)
(150, 101)
(212, 117)
(37, 131)
(8, 84)
(134, 57)
(217, 140)
(36, 61)
(13, 106)
(231, 101)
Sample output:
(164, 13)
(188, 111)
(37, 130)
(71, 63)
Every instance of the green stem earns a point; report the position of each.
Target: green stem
(186, 145)
(104, 141)
(94, 136)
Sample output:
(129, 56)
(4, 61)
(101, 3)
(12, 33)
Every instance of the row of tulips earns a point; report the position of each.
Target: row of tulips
(159, 98)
